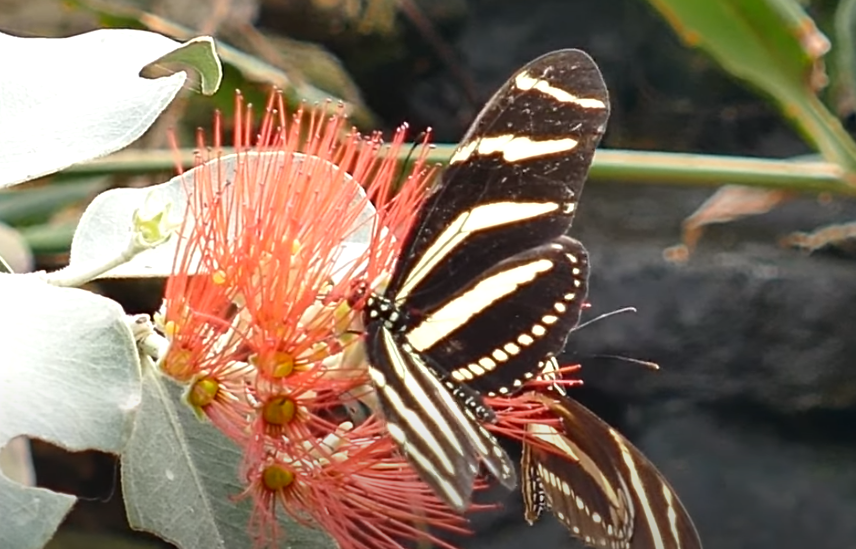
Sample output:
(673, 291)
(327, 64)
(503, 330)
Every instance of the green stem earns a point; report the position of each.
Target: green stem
(694, 170)
(652, 168)
(825, 130)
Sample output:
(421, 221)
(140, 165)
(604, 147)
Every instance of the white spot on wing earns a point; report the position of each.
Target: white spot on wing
(460, 310)
(511, 348)
(462, 374)
(480, 218)
(524, 81)
(514, 148)
(487, 363)
(525, 340)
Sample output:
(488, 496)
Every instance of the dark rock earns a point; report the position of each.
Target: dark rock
(743, 320)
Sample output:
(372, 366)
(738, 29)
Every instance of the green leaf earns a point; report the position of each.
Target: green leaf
(845, 55)
(70, 376)
(776, 47)
(197, 53)
(180, 478)
(86, 99)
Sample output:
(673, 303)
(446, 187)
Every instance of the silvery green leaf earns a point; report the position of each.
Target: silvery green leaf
(70, 375)
(68, 100)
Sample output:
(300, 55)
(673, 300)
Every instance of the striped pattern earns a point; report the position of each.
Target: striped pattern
(487, 285)
(435, 432)
(600, 486)
(505, 339)
(534, 497)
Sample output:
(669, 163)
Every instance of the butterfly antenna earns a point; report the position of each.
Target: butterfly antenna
(646, 363)
(605, 315)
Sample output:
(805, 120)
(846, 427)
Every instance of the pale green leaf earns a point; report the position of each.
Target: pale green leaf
(70, 376)
(67, 100)
(180, 479)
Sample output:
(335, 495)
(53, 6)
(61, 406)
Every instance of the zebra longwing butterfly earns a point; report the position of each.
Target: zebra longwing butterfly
(487, 284)
(599, 485)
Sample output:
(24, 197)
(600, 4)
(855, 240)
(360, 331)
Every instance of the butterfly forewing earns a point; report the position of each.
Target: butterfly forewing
(442, 440)
(492, 334)
(514, 181)
(601, 487)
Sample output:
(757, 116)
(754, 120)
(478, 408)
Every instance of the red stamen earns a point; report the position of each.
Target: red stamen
(258, 309)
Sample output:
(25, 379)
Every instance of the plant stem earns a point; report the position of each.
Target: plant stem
(636, 167)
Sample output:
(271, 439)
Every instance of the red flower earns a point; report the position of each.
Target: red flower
(356, 488)
(260, 314)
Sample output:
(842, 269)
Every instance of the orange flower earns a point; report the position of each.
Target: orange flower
(259, 312)
(361, 492)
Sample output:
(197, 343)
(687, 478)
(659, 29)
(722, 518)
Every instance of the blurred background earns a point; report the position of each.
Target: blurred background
(752, 416)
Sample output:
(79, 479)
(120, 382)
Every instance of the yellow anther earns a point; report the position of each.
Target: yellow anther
(279, 410)
(203, 392)
(276, 478)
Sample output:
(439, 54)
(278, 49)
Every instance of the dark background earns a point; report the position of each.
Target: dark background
(752, 415)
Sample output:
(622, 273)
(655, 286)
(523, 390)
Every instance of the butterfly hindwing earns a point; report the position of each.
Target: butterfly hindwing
(601, 487)
(492, 334)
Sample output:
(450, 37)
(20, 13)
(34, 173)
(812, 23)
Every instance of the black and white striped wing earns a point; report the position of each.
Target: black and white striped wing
(518, 312)
(442, 440)
(600, 486)
(484, 268)
(514, 181)
(507, 198)
(532, 489)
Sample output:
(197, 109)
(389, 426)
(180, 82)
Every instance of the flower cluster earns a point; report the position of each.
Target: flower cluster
(262, 322)
(258, 319)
